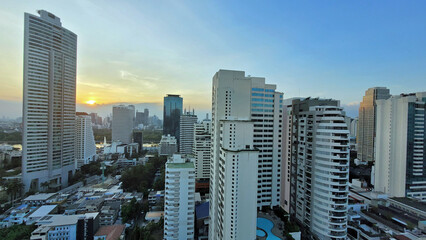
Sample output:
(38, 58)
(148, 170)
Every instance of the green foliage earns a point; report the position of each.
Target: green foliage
(77, 177)
(17, 232)
(14, 188)
(101, 133)
(131, 210)
(151, 136)
(140, 178)
(93, 168)
(151, 231)
(148, 135)
(15, 137)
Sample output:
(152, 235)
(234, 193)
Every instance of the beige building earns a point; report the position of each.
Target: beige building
(367, 122)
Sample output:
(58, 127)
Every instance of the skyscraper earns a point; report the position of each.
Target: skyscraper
(50, 53)
(142, 117)
(319, 167)
(171, 115)
(186, 132)
(237, 97)
(367, 122)
(263, 105)
(202, 149)
(179, 198)
(85, 147)
(400, 167)
(122, 123)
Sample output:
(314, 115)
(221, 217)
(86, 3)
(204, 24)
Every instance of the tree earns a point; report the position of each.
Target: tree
(13, 187)
(131, 210)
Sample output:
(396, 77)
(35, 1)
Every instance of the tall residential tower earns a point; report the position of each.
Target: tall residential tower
(400, 167)
(85, 147)
(246, 128)
(186, 129)
(50, 63)
(319, 167)
(122, 123)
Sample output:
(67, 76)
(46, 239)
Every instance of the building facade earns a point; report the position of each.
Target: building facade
(168, 145)
(319, 167)
(186, 129)
(179, 204)
(142, 117)
(240, 98)
(367, 122)
(85, 147)
(400, 167)
(171, 115)
(50, 63)
(122, 123)
(263, 105)
(202, 149)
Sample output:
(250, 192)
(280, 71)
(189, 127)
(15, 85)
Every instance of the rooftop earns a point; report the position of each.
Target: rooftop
(202, 210)
(40, 197)
(150, 215)
(112, 232)
(412, 203)
(42, 211)
(180, 165)
(61, 220)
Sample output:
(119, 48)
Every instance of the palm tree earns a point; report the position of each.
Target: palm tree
(14, 187)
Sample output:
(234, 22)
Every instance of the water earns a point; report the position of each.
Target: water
(266, 225)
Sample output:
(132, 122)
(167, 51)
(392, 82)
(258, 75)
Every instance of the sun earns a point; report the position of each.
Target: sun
(91, 102)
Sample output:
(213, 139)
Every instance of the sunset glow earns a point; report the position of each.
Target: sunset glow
(91, 102)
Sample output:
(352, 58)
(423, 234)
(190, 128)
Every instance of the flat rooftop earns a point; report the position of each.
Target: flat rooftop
(412, 203)
(40, 197)
(180, 165)
(42, 211)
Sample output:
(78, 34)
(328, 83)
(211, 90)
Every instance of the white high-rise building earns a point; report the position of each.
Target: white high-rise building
(286, 150)
(319, 167)
(233, 205)
(186, 129)
(251, 98)
(168, 145)
(85, 147)
(400, 157)
(50, 53)
(241, 98)
(123, 118)
(202, 149)
(179, 204)
(352, 126)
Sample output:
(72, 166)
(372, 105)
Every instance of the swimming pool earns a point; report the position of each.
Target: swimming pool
(266, 225)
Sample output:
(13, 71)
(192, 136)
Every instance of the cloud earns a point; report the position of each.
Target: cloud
(352, 104)
(147, 82)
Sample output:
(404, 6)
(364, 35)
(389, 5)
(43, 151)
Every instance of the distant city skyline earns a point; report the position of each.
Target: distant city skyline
(173, 47)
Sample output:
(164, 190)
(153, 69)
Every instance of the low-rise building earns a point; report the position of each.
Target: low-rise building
(114, 232)
(60, 227)
(154, 216)
(41, 212)
(108, 215)
(41, 199)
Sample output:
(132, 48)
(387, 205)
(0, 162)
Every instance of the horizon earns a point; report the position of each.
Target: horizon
(167, 50)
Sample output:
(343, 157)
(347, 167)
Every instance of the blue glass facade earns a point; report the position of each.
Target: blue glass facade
(173, 105)
(416, 139)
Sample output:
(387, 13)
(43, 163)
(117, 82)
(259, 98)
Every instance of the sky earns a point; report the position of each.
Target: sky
(139, 51)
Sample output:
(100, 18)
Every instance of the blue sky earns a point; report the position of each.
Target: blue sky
(138, 51)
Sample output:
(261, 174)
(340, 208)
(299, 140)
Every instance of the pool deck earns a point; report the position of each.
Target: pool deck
(278, 228)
